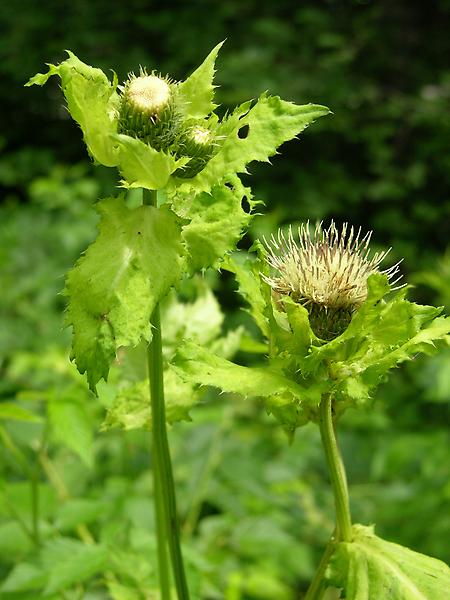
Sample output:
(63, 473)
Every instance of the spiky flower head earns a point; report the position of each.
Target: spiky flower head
(326, 271)
(197, 142)
(149, 110)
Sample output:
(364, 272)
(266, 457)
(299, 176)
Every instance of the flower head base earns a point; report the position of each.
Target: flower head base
(326, 271)
(149, 111)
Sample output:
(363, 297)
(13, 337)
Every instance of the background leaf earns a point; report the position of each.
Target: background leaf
(200, 320)
(71, 427)
(68, 562)
(10, 410)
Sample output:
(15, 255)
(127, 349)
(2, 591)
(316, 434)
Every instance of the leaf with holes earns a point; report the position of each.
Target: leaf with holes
(253, 133)
(217, 220)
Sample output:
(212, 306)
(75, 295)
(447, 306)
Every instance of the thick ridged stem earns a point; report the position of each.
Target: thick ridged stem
(168, 530)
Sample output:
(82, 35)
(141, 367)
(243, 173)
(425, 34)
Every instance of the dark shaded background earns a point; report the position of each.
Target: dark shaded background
(382, 68)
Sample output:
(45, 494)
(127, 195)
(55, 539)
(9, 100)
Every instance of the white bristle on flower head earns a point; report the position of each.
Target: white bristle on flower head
(149, 93)
(328, 268)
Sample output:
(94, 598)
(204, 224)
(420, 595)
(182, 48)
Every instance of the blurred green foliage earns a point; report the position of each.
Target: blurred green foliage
(255, 511)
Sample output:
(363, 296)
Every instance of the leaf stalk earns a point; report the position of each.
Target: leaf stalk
(336, 470)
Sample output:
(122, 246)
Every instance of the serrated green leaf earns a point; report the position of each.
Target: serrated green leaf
(198, 365)
(249, 281)
(114, 287)
(263, 128)
(93, 103)
(91, 100)
(201, 321)
(72, 427)
(286, 399)
(131, 407)
(217, 222)
(141, 165)
(197, 92)
(381, 335)
(369, 568)
(69, 562)
(14, 412)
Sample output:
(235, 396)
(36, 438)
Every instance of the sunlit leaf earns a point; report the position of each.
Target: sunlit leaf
(141, 165)
(76, 511)
(249, 281)
(115, 285)
(92, 101)
(24, 577)
(254, 134)
(369, 568)
(217, 222)
(381, 335)
(198, 365)
(197, 91)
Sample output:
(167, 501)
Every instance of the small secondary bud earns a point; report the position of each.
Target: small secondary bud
(148, 110)
(198, 143)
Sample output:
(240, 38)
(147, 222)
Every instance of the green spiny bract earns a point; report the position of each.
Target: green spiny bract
(198, 143)
(150, 110)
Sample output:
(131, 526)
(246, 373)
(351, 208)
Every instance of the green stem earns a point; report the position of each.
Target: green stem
(336, 470)
(317, 588)
(161, 533)
(165, 501)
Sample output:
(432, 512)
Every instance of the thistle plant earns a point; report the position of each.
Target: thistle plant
(164, 137)
(335, 324)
